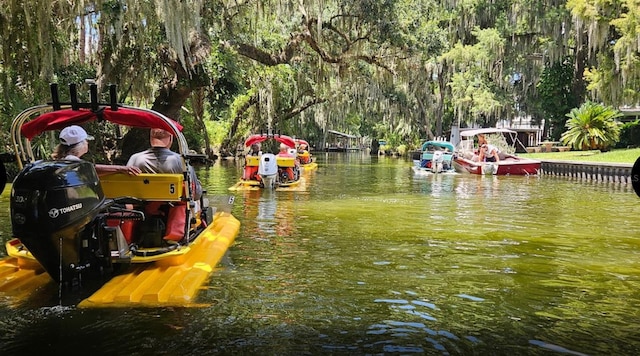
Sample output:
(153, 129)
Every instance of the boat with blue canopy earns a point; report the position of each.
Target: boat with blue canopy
(436, 157)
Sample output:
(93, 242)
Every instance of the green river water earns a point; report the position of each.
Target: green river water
(373, 260)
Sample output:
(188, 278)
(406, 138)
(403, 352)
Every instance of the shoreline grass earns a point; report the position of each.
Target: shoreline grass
(629, 155)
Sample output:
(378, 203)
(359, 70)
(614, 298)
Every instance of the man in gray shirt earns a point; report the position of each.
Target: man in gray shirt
(160, 159)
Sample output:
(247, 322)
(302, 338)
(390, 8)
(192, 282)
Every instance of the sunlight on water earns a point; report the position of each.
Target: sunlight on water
(374, 260)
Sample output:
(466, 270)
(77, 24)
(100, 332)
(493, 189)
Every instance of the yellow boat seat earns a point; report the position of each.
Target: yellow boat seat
(286, 161)
(156, 190)
(252, 161)
(145, 186)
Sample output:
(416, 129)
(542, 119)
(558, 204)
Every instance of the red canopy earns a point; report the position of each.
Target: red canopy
(289, 141)
(59, 119)
(300, 141)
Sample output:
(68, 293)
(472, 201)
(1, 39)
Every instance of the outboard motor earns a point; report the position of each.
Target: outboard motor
(489, 168)
(268, 169)
(53, 206)
(437, 162)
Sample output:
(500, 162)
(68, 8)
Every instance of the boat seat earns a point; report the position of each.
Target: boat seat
(155, 190)
(286, 161)
(145, 186)
(252, 161)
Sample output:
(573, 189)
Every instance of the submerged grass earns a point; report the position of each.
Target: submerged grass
(614, 156)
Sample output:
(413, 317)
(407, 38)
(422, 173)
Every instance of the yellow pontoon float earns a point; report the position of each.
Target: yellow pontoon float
(280, 172)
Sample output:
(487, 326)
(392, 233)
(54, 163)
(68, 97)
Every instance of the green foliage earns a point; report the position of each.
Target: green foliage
(629, 135)
(190, 132)
(473, 86)
(414, 66)
(612, 156)
(612, 28)
(555, 94)
(227, 75)
(592, 126)
(217, 131)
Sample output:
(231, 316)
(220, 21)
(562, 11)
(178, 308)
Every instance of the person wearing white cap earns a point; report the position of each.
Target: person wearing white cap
(74, 144)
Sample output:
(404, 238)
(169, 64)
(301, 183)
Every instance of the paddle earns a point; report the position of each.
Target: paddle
(635, 176)
(3, 177)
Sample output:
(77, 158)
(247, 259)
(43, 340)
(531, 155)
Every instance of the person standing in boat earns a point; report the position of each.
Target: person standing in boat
(74, 143)
(487, 152)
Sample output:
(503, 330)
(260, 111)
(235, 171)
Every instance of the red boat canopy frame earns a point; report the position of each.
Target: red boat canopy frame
(60, 119)
(300, 141)
(39, 119)
(288, 141)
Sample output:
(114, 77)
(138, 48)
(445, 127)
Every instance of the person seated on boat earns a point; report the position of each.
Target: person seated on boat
(303, 154)
(74, 143)
(284, 152)
(251, 172)
(446, 163)
(489, 153)
(254, 150)
(160, 159)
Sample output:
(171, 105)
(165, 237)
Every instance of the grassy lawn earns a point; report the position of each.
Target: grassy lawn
(614, 156)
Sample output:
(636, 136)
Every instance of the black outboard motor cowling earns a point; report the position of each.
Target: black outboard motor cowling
(53, 207)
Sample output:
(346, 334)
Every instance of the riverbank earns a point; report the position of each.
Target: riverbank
(589, 171)
(612, 166)
(628, 156)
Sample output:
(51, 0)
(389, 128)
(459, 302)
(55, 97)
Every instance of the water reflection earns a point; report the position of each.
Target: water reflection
(374, 260)
(271, 215)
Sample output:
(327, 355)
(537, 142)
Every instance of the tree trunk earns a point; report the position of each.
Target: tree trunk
(198, 112)
(168, 102)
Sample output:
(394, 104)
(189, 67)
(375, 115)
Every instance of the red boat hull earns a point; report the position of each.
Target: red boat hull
(511, 166)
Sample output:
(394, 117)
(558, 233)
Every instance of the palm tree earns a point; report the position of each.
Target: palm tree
(592, 126)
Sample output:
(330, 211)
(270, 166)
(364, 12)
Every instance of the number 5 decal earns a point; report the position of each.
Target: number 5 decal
(172, 188)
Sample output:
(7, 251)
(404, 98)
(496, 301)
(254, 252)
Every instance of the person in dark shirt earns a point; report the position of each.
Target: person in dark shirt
(160, 159)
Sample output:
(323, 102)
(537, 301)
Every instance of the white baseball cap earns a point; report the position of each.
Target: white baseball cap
(73, 134)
